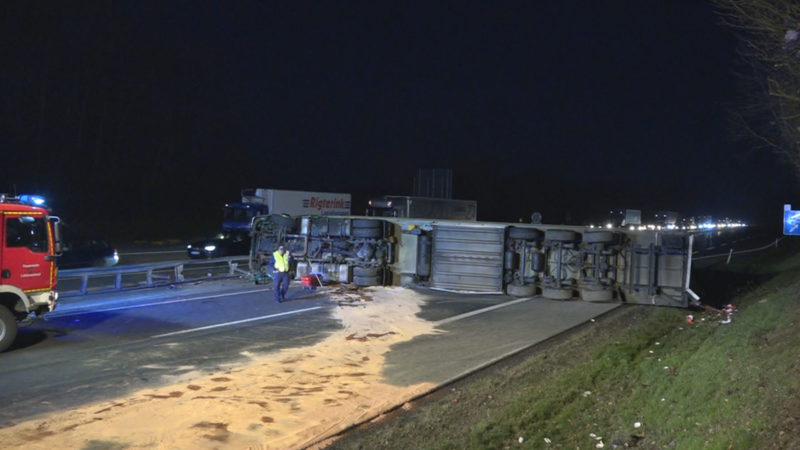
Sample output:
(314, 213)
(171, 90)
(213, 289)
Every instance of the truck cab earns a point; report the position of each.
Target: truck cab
(236, 217)
(29, 241)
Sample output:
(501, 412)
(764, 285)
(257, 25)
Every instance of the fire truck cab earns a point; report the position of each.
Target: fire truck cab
(29, 243)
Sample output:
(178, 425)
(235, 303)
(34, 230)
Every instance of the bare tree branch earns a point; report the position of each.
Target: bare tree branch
(771, 49)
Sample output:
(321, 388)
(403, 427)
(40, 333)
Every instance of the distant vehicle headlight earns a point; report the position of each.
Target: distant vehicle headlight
(189, 246)
(210, 248)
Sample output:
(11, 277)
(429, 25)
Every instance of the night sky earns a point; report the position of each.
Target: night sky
(145, 117)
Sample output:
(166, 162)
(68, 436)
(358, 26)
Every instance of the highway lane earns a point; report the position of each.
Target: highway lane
(101, 347)
(151, 253)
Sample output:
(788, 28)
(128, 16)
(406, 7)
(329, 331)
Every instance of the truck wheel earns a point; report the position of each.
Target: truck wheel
(365, 271)
(8, 328)
(366, 281)
(366, 223)
(598, 237)
(560, 235)
(521, 290)
(557, 293)
(597, 295)
(527, 234)
(372, 233)
(283, 220)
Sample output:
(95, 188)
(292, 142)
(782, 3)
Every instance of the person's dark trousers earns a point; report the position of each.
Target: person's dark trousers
(281, 285)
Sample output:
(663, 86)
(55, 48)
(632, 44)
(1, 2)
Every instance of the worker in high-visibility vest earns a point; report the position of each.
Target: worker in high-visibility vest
(280, 271)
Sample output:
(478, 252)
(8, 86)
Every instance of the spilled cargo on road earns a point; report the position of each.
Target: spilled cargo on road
(553, 261)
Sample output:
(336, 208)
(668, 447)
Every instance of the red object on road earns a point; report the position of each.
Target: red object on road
(309, 281)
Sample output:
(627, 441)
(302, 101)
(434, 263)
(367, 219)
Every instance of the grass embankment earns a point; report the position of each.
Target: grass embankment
(641, 376)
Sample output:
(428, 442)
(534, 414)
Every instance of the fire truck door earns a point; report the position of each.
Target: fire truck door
(26, 243)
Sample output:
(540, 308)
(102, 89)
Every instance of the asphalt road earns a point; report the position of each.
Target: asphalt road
(102, 346)
(95, 348)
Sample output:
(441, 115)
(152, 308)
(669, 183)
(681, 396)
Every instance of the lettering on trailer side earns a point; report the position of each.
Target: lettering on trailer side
(326, 203)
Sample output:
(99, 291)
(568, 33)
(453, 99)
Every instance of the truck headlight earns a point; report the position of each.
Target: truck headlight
(210, 248)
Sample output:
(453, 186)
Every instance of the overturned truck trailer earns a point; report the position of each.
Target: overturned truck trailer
(553, 261)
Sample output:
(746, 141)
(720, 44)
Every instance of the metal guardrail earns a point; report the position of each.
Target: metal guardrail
(147, 275)
(732, 252)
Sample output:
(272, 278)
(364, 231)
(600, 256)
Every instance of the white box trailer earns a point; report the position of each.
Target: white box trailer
(299, 203)
(555, 261)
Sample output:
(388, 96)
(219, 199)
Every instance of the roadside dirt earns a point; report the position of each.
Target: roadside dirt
(288, 399)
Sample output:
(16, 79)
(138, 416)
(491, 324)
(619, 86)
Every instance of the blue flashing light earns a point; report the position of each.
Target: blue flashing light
(35, 200)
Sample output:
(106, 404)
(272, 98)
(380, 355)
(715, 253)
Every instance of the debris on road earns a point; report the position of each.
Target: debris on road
(290, 398)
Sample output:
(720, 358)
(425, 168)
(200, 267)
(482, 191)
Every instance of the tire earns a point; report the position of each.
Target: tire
(8, 328)
(597, 295)
(557, 293)
(599, 237)
(524, 290)
(560, 235)
(527, 234)
(372, 233)
(366, 281)
(366, 223)
(282, 220)
(365, 272)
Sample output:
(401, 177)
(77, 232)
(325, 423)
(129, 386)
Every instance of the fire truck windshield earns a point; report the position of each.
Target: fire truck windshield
(27, 231)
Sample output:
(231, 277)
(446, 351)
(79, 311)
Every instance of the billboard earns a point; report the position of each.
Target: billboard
(791, 221)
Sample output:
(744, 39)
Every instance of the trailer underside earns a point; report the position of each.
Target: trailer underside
(554, 261)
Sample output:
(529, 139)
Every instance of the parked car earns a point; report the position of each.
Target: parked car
(82, 252)
(225, 244)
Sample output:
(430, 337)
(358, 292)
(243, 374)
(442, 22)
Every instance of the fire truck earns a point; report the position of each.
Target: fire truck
(29, 243)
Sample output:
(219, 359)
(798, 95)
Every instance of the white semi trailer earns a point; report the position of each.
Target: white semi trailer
(260, 201)
(554, 261)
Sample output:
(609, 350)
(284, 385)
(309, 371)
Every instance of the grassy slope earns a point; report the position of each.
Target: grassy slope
(705, 384)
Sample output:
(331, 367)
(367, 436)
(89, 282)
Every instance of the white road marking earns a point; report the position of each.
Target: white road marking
(145, 305)
(481, 311)
(236, 322)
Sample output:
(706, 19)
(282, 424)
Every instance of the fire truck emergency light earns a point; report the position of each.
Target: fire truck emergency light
(35, 200)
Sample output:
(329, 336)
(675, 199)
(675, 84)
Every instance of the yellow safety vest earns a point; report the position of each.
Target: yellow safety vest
(281, 261)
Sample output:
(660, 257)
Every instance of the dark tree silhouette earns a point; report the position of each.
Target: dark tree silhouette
(769, 34)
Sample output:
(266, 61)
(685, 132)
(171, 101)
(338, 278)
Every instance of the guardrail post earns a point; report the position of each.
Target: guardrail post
(118, 281)
(85, 284)
(233, 267)
(149, 277)
(729, 257)
(179, 273)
